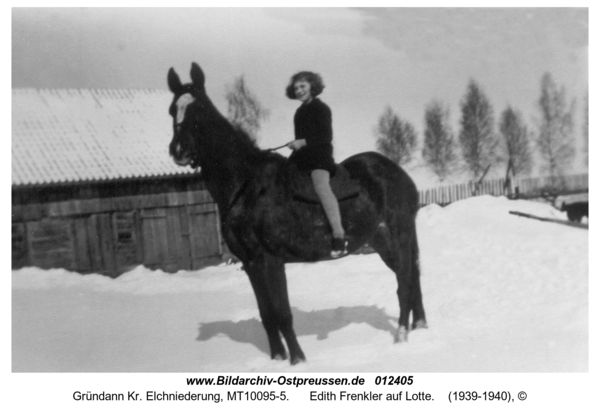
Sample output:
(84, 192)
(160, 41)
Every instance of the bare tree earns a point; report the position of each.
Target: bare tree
(476, 137)
(555, 137)
(516, 141)
(243, 108)
(396, 138)
(439, 151)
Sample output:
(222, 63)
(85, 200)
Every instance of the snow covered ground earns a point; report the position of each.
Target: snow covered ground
(502, 294)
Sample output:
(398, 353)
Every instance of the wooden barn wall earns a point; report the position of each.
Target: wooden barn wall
(171, 230)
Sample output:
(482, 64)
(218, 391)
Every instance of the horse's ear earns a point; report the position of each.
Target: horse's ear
(197, 76)
(174, 81)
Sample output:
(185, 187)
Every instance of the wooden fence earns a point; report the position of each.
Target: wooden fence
(521, 187)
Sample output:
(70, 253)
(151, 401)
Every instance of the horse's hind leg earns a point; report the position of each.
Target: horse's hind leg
(400, 253)
(419, 320)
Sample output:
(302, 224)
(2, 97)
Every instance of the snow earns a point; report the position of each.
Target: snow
(502, 294)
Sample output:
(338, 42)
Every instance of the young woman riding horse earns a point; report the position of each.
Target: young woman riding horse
(266, 228)
(313, 151)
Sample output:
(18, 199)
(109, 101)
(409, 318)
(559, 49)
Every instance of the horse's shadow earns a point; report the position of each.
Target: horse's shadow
(319, 323)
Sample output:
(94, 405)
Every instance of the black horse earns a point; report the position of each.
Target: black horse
(265, 227)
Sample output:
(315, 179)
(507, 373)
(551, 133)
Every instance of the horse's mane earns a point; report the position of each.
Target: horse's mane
(235, 138)
(249, 143)
(244, 138)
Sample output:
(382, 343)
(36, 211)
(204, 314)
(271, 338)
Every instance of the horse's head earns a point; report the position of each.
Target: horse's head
(187, 110)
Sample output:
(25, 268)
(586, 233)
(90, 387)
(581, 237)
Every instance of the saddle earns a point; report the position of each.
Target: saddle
(341, 184)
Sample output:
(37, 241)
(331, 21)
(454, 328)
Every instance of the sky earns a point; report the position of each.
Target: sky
(369, 58)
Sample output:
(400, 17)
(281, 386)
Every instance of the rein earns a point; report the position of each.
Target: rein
(277, 148)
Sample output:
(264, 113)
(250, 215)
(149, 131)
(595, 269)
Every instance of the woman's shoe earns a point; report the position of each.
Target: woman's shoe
(339, 247)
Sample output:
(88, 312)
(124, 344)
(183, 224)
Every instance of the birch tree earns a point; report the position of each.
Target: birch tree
(515, 136)
(477, 138)
(555, 128)
(243, 108)
(439, 150)
(396, 138)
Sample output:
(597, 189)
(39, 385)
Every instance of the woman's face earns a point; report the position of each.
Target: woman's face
(302, 91)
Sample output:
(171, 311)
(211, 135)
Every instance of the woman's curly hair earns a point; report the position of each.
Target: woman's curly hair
(315, 81)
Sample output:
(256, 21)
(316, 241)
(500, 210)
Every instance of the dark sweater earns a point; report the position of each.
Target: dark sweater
(312, 122)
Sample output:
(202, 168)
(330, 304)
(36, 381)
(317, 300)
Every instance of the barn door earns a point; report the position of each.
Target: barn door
(164, 242)
(180, 238)
(94, 244)
(204, 235)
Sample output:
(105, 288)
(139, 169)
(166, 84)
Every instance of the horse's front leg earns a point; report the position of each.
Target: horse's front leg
(265, 308)
(278, 291)
(267, 275)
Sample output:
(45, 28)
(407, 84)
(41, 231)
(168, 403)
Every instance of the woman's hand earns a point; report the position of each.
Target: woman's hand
(297, 144)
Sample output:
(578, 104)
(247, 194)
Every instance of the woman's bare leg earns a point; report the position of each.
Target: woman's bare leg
(330, 204)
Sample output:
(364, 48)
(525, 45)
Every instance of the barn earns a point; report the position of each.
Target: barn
(95, 191)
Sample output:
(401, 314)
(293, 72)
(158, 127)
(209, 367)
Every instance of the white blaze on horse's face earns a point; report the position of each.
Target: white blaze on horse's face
(182, 103)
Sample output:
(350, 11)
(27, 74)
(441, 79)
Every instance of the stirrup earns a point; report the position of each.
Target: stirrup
(339, 247)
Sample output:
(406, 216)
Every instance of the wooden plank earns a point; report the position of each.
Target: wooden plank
(204, 236)
(176, 199)
(83, 259)
(53, 209)
(154, 237)
(106, 204)
(202, 208)
(153, 213)
(138, 232)
(552, 220)
(34, 212)
(127, 203)
(174, 239)
(185, 256)
(220, 238)
(125, 239)
(200, 197)
(90, 206)
(50, 243)
(20, 251)
(94, 244)
(107, 243)
(155, 201)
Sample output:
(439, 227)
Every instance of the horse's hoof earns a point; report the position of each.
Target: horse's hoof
(401, 335)
(296, 357)
(420, 324)
(297, 360)
(279, 356)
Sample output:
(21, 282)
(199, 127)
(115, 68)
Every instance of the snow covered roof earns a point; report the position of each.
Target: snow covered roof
(61, 136)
